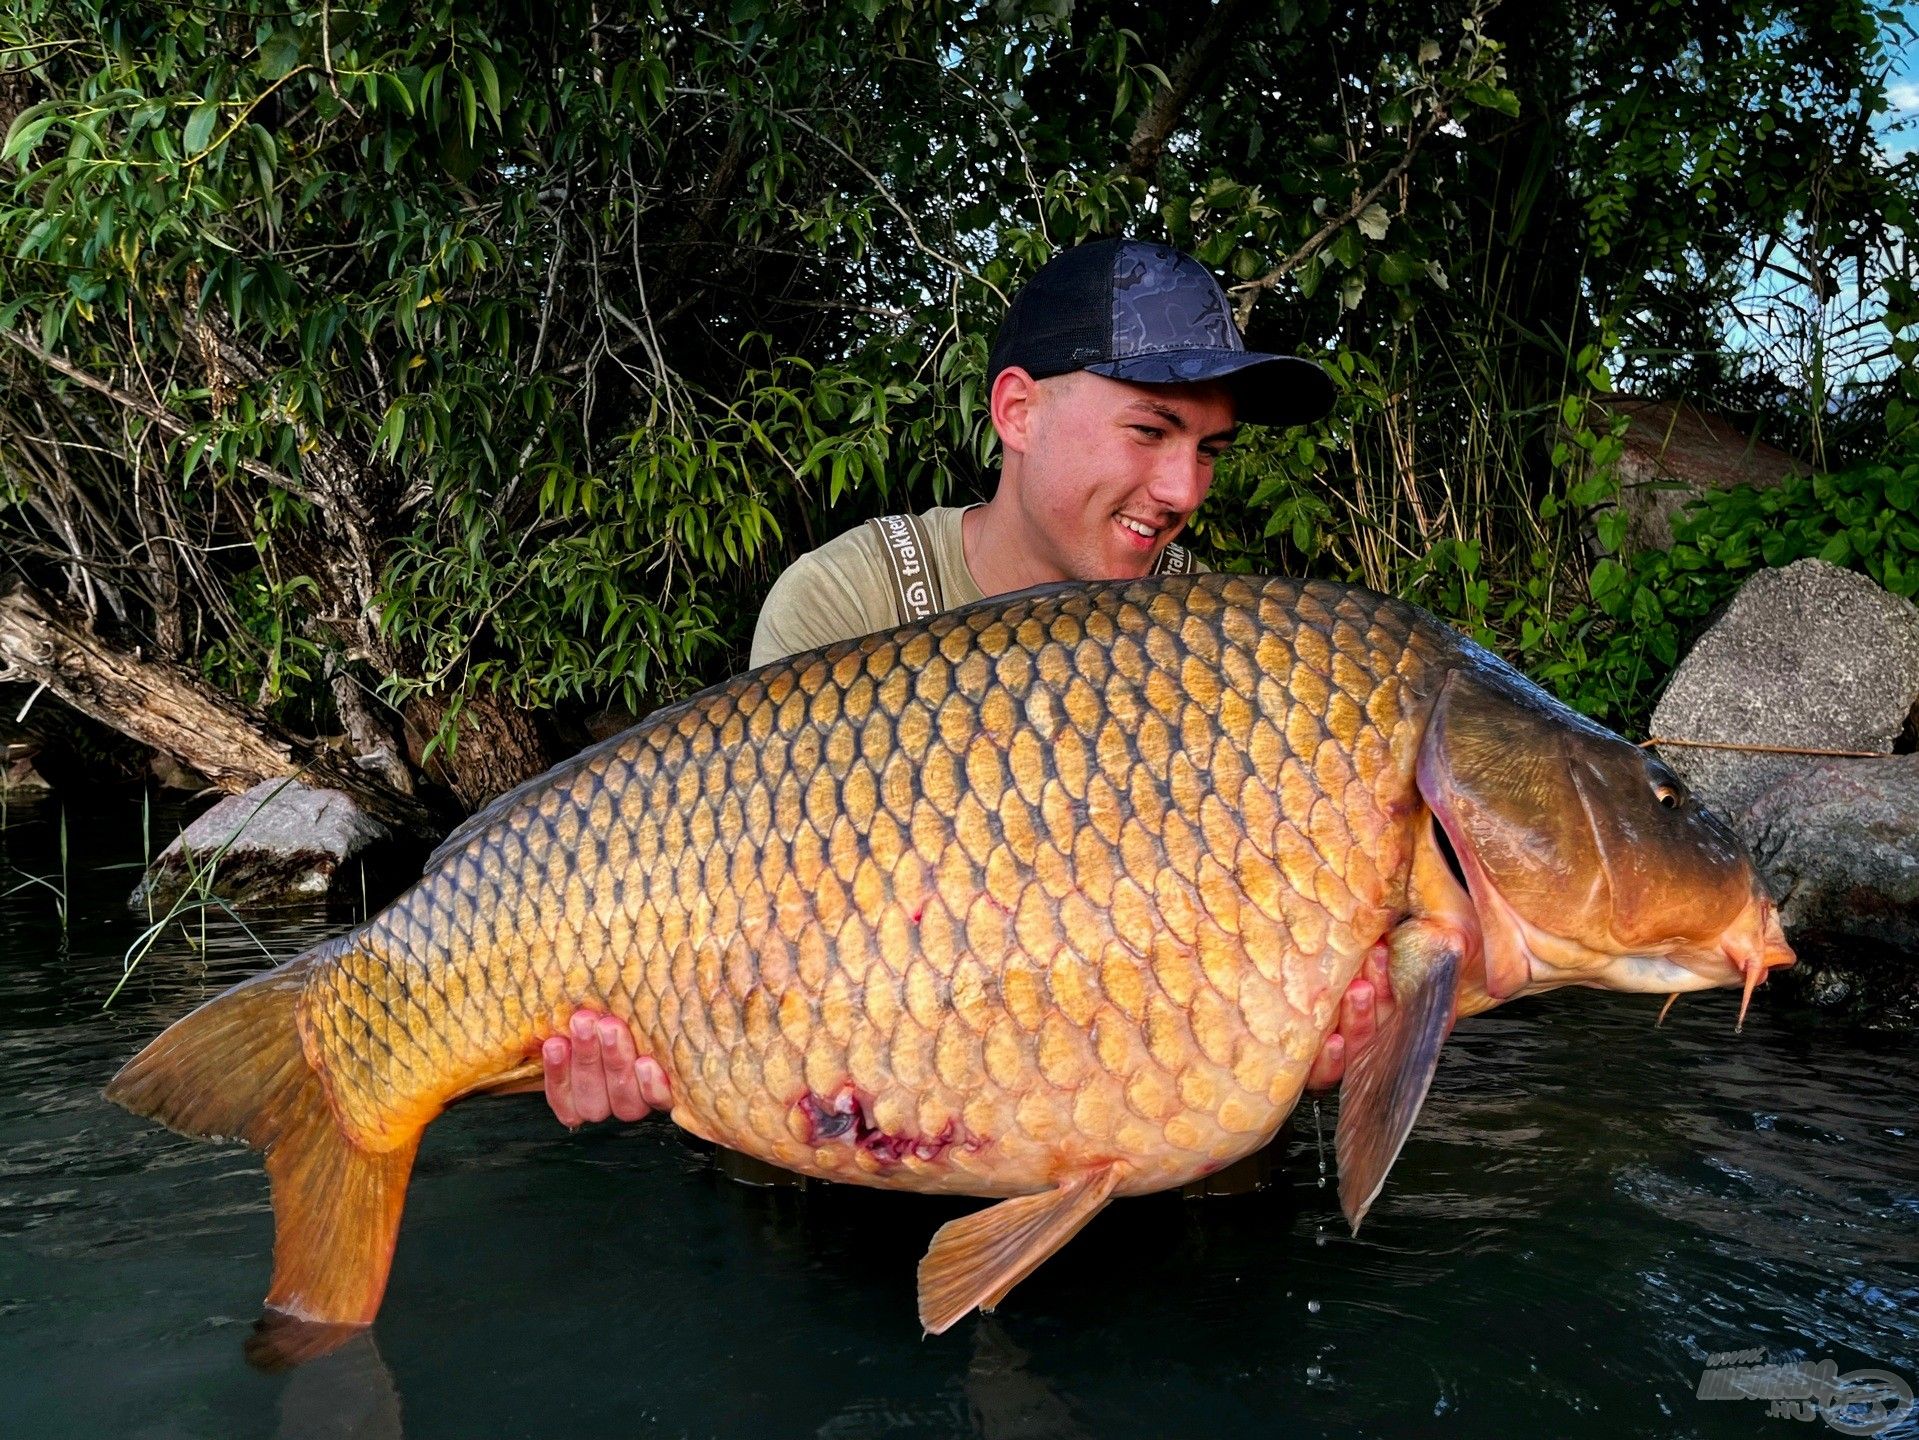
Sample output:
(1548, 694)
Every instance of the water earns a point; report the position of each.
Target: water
(1588, 1209)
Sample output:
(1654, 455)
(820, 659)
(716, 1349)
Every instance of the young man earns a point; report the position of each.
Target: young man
(1117, 380)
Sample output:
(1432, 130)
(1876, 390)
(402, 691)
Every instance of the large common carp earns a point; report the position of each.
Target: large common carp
(1052, 898)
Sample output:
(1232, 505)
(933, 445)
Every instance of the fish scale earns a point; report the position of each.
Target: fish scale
(1073, 877)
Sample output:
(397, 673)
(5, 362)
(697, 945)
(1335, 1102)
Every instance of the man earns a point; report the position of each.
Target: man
(1117, 380)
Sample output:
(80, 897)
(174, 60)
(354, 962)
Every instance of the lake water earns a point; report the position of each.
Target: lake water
(1587, 1212)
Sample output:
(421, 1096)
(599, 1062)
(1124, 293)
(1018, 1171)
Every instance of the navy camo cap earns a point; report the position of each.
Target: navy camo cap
(1136, 311)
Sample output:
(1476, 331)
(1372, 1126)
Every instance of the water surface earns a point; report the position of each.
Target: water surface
(1588, 1209)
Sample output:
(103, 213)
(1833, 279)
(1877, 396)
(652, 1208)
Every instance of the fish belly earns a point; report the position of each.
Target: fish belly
(1069, 878)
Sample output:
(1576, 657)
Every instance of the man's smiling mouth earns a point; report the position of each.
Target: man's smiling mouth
(1140, 527)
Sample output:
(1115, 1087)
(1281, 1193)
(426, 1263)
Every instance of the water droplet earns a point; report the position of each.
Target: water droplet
(1312, 1307)
(1313, 1372)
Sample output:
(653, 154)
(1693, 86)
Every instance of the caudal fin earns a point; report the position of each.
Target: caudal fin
(235, 1069)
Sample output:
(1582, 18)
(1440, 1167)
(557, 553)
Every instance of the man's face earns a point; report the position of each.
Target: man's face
(1110, 471)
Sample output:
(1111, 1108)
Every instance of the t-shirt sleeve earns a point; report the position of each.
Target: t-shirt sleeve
(821, 598)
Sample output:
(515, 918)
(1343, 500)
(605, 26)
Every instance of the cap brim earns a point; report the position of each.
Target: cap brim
(1267, 389)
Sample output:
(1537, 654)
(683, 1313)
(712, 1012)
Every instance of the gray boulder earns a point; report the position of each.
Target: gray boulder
(1810, 656)
(1819, 658)
(280, 843)
(1839, 845)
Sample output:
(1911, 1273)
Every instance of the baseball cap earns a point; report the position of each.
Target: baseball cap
(1132, 310)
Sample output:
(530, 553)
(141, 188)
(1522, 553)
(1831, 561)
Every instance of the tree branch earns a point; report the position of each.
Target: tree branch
(165, 419)
(1248, 293)
(1162, 116)
(170, 709)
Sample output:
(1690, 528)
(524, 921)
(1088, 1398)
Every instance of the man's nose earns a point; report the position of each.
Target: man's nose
(1181, 480)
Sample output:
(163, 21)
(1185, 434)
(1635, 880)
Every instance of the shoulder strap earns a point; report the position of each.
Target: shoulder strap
(917, 592)
(1174, 560)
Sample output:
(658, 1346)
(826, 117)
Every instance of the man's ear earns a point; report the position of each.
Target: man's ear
(1014, 401)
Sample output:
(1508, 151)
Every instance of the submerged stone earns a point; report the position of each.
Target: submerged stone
(280, 843)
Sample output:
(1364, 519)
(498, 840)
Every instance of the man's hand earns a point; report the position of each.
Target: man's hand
(1367, 1003)
(594, 1071)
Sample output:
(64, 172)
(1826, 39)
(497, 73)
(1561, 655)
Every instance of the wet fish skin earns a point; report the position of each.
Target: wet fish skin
(1051, 898)
(1079, 876)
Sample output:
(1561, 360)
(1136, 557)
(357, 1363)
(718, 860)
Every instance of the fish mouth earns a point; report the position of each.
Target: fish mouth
(1523, 958)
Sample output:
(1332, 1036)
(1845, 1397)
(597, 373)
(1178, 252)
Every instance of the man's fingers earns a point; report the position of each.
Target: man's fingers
(1357, 1016)
(1329, 1066)
(556, 1057)
(1379, 971)
(622, 1079)
(589, 1075)
(652, 1080)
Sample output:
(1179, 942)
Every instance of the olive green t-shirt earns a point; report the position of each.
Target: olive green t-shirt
(845, 589)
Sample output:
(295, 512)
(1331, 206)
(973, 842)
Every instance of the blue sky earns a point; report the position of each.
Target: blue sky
(1903, 91)
(1779, 320)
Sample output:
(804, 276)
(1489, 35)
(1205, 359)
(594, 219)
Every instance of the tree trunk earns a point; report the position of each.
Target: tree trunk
(497, 747)
(172, 710)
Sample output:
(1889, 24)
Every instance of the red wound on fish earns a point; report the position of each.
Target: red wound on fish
(848, 1115)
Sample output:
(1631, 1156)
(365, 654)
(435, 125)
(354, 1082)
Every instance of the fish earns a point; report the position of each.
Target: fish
(1048, 900)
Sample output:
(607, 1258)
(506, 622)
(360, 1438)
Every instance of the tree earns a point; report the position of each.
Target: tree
(437, 377)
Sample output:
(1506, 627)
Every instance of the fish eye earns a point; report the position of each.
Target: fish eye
(1666, 788)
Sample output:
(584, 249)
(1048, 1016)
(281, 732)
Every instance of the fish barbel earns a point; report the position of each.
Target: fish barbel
(1051, 899)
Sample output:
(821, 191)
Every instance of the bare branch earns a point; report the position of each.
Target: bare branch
(165, 419)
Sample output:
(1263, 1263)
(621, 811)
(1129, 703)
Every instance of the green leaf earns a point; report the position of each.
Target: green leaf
(1373, 221)
(279, 53)
(199, 128)
(23, 135)
(489, 84)
(1399, 268)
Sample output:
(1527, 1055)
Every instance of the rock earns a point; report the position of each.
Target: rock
(169, 774)
(280, 843)
(1816, 657)
(19, 780)
(1674, 453)
(1839, 845)
(1810, 656)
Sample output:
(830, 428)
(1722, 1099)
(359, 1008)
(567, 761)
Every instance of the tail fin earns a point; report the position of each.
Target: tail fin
(235, 1068)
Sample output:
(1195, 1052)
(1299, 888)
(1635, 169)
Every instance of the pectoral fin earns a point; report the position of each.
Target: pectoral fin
(975, 1260)
(522, 1079)
(1387, 1081)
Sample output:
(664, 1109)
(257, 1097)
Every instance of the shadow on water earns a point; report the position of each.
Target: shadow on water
(1587, 1212)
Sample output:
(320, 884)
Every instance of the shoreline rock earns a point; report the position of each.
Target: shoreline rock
(1820, 658)
(280, 843)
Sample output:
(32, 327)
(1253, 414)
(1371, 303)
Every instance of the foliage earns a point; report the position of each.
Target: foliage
(1648, 609)
(512, 351)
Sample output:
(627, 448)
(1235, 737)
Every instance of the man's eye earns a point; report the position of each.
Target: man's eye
(1212, 455)
(1151, 432)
